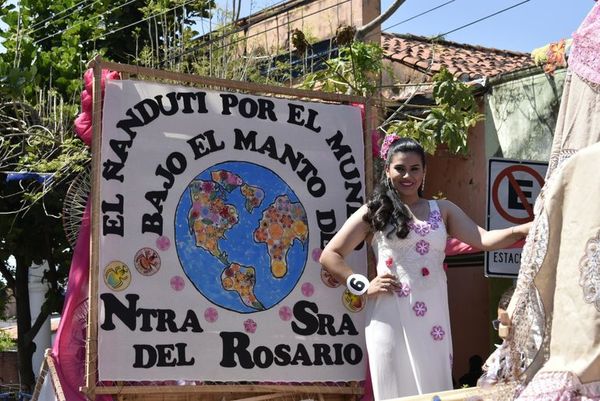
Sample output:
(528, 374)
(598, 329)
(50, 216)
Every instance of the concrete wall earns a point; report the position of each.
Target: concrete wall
(318, 20)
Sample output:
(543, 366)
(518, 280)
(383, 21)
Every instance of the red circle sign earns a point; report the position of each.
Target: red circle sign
(509, 173)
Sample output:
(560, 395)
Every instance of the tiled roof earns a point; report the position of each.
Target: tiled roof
(466, 62)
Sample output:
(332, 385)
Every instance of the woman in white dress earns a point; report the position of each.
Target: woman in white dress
(408, 326)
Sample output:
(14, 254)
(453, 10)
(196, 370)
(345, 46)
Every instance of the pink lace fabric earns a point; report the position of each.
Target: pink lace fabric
(559, 386)
(584, 59)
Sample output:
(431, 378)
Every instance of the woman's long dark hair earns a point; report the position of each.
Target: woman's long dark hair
(384, 206)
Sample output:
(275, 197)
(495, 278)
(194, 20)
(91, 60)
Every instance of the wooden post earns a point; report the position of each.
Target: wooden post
(92, 329)
(58, 391)
(48, 371)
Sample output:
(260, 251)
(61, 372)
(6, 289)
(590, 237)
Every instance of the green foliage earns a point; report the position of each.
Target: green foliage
(6, 343)
(45, 153)
(14, 82)
(447, 122)
(351, 73)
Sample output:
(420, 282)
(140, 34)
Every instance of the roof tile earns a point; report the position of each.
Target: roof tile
(464, 61)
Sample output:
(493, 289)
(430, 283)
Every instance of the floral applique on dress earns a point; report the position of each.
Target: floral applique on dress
(438, 333)
(420, 308)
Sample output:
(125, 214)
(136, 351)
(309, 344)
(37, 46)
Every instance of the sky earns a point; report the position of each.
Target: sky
(527, 26)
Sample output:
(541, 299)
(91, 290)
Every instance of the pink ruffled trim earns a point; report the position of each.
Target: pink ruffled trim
(584, 59)
(83, 122)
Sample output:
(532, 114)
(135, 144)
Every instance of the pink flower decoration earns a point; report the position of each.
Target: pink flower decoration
(424, 272)
(420, 308)
(388, 141)
(316, 254)
(422, 247)
(438, 333)
(285, 313)
(403, 290)
(163, 243)
(177, 283)
(249, 326)
(308, 289)
(389, 263)
(211, 315)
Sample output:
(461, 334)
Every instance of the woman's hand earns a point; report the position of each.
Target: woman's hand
(384, 284)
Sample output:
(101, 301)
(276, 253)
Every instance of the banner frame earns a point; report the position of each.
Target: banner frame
(340, 391)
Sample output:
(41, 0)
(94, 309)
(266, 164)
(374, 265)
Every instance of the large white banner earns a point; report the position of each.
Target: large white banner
(214, 209)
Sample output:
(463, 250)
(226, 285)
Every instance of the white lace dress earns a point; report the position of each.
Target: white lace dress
(408, 333)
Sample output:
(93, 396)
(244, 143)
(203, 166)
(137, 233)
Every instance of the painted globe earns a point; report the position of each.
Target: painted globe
(241, 236)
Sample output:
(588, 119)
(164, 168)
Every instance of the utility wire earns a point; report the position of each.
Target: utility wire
(399, 110)
(441, 35)
(483, 18)
(344, 1)
(418, 15)
(83, 22)
(250, 13)
(137, 22)
(203, 45)
(278, 26)
(53, 21)
(57, 14)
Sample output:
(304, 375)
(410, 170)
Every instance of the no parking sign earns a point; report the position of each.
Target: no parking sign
(513, 186)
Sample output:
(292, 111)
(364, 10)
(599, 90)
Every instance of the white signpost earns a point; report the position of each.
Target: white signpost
(513, 186)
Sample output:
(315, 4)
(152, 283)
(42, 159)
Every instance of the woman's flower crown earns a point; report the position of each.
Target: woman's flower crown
(387, 143)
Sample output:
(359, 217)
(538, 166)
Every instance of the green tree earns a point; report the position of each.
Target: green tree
(446, 122)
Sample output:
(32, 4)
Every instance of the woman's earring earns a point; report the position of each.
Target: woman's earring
(423, 185)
